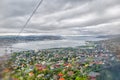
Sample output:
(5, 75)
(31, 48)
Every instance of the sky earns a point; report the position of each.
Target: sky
(61, 17)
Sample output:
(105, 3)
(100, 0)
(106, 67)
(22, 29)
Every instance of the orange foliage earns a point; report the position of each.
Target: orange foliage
(62, 79)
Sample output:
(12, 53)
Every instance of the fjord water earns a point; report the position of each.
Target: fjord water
(45, 44)
(33, 45)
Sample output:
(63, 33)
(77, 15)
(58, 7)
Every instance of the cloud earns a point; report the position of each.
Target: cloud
(63, 17)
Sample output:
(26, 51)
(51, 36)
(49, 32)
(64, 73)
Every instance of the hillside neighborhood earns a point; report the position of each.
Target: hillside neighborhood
(77, 63)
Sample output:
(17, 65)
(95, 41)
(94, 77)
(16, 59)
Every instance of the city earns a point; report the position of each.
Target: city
(72, 63)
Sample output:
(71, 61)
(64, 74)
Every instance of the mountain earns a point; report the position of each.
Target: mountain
(5, 40)
(113, 44)
(108, 36)
(116, 39)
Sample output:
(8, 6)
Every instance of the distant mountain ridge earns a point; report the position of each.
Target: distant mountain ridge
(31, 38)
(108, 36)
(5, 40)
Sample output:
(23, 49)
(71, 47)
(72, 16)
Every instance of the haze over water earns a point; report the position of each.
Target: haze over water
(45, 44)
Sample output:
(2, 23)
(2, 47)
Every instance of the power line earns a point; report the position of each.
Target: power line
(26, 23)
(29, 18)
